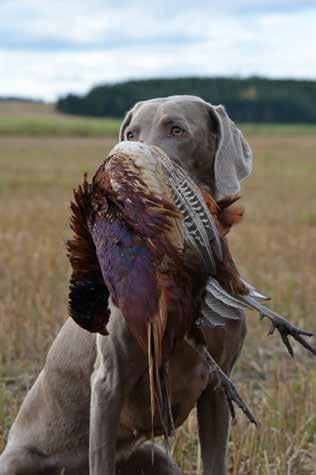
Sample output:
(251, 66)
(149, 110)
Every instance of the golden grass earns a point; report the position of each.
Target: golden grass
(274, 248)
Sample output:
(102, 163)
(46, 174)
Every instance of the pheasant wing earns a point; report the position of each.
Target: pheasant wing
(225, 305)
(200, 227)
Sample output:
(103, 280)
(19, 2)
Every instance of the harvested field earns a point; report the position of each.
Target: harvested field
(275, 248)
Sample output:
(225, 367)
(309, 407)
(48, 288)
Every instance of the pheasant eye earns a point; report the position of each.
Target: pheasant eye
(177, 131)
(130, 135)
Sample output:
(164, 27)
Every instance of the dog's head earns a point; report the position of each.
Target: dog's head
(197, 135)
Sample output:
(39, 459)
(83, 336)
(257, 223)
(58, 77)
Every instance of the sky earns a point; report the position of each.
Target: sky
(49, 48)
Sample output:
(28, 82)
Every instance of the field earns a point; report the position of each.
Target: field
(40, 120)
(274, 247)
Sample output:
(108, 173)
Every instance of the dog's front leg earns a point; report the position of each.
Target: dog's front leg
(120, 363)
(105, 409)
(214, 424)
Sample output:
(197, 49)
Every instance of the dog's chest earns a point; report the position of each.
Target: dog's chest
(188, 378)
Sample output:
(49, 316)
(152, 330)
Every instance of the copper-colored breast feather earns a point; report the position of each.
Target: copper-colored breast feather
(138, 236)
(225, 216)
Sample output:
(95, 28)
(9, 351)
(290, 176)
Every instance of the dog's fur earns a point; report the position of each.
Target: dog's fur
(52, 429)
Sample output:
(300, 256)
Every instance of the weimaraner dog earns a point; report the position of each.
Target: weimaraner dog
(89, 410)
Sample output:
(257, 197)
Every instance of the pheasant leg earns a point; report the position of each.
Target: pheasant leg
(286, 329)
(224, 382)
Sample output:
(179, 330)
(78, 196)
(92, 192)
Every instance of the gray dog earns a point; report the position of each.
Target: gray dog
(94, 391)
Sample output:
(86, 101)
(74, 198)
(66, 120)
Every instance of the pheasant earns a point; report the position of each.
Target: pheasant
(129, 246)
(150, 240)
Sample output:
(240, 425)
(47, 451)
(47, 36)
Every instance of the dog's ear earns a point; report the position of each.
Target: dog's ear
(127, 120)
(233, 157)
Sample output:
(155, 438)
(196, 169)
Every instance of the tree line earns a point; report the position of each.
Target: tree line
(246, 100)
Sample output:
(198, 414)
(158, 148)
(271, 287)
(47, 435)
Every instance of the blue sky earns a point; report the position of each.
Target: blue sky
(50, 48)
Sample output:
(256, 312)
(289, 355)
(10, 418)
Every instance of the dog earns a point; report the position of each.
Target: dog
(89, 410)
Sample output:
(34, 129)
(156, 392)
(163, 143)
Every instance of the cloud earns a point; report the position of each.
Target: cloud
(51, 48)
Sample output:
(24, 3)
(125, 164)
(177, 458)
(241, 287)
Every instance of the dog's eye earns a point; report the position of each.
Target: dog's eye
(130, 135)
(176, 131)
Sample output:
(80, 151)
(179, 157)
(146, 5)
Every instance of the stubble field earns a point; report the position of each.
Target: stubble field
(275, 249)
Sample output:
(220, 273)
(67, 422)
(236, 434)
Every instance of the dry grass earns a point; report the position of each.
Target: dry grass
(275, 249)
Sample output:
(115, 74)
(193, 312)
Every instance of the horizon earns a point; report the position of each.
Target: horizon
(112, 83)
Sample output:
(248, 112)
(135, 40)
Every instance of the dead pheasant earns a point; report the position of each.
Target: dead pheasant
(129, 244)
(149, 238)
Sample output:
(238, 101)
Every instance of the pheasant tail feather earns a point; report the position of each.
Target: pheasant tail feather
(88, 294)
